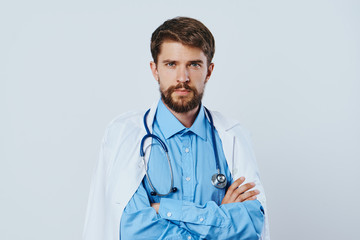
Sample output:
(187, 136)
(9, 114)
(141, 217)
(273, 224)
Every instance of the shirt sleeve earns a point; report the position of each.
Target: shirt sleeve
(185, 220)
(140, 221)
(210, 221)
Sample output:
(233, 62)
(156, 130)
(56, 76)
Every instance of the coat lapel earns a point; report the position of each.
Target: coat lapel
(223, 126)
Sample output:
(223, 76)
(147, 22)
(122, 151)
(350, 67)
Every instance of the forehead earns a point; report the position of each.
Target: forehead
(177, 51)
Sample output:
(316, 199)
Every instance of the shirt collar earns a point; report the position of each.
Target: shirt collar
(170, 125)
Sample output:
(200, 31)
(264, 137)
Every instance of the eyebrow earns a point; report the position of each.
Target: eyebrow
(191, 61)
(196, 61)
(168, 60)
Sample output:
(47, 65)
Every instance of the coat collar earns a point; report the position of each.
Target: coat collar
(220, 122)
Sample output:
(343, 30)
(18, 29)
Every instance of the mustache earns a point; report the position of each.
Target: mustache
(183, 85)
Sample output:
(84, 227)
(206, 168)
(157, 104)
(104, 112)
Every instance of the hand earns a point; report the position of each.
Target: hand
(240, 194)
(156, 206)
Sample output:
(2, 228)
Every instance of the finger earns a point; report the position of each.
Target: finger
(242, 189)
(251, 198)
(156, 206)
(233, 187)
(245, 196)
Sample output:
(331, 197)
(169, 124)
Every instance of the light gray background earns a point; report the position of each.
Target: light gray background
(288, 70)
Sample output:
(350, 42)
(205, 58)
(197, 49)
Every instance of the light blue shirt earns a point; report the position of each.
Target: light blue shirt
(194, 210)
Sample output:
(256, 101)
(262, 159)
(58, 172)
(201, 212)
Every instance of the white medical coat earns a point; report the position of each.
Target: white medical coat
(120, 170)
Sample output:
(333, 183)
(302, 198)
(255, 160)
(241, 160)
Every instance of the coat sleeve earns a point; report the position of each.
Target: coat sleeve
(243, 150)
(94, 228)
(108, 194)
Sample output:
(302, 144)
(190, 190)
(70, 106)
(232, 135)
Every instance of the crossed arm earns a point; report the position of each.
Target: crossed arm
(240, 216)
(235, 193)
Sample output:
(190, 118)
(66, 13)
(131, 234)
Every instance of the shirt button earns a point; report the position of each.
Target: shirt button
(169, 214)
(187, 150)
(189, 237)
(188, 179)
(201, 219)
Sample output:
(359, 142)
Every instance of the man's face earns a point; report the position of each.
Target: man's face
(182, 73)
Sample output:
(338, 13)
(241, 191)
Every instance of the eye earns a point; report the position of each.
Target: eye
(170, 64)
(195, 65)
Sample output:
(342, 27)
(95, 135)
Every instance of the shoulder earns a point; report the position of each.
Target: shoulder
(229, 124)
(131, 117)
(125, 122)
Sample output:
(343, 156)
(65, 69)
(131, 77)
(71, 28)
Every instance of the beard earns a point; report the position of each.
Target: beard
(182, 104)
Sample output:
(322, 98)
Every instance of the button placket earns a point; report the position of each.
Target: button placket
(187, 163)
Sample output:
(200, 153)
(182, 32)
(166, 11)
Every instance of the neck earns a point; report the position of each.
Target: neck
(188, 118)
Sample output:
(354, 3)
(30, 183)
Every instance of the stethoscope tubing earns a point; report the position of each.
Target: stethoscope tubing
(164, 147)
(213, 139)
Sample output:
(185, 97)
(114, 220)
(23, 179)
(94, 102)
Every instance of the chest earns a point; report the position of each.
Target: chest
(193, 163)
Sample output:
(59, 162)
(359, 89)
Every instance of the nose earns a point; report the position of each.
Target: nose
(182, 74)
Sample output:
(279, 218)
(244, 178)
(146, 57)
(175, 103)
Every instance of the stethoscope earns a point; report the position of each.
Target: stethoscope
(218, 179)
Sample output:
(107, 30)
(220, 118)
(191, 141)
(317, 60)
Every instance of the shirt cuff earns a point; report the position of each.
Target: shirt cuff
(188, 212)
(170, 209)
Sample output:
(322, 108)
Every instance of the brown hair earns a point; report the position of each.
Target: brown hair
(186, 30)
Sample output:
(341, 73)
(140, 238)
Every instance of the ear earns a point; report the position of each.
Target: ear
(209, 72)
(154, 70)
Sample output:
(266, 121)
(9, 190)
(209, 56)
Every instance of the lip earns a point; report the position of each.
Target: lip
(182, 91)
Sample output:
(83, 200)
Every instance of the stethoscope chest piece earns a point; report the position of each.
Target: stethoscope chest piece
(219, 180)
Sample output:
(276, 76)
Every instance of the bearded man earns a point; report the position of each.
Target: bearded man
(178, 170)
